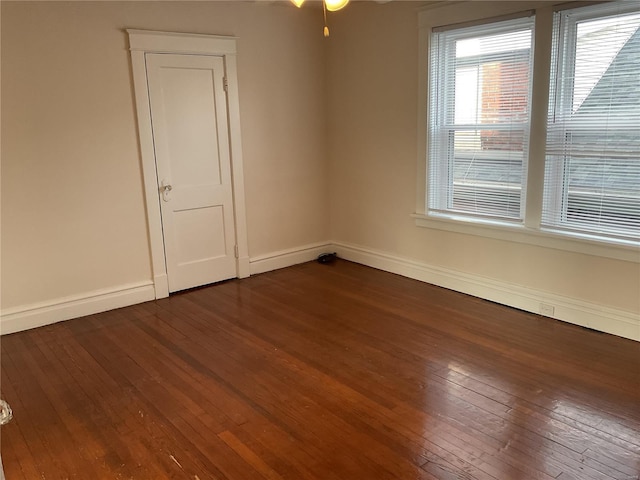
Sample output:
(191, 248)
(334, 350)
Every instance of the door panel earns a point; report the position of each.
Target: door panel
(188, 93)
(189, 122)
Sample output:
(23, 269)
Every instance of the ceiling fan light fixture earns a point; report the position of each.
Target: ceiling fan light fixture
(327, 5)
(335, 5)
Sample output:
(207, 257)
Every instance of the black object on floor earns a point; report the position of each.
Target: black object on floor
(327, 257)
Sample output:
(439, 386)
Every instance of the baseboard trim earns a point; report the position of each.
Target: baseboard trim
(586, 314)
(45, 313)
(579, 312)
(37, 315)
(287, 258)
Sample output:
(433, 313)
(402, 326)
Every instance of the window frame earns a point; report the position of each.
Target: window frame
(443, 112)
(561, 104)
(528, 232)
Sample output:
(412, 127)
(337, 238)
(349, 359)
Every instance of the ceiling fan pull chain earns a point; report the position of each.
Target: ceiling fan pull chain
(326, 27)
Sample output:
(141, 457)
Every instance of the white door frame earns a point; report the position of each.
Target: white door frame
(146, 41)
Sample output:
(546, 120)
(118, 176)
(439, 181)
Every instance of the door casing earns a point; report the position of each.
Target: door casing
(142, 42)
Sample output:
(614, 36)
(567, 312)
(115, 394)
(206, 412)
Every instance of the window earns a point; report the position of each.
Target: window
(592, 170)
(582, 182)
(480, 98)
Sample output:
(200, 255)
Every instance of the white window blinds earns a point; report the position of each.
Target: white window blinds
(480, 78)
(592, 169)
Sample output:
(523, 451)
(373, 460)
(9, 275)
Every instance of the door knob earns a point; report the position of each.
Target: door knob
(165, 188)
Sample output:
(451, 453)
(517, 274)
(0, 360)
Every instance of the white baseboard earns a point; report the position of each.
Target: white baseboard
(579, 312)
(45, 313)
(287, 258)
(586, 314)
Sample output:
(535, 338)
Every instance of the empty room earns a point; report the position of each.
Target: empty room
(321, 239)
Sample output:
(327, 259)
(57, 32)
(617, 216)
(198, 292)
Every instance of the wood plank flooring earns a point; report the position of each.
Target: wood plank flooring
(320, 372)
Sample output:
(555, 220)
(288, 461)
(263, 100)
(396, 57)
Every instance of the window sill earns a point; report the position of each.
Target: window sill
(590, 245)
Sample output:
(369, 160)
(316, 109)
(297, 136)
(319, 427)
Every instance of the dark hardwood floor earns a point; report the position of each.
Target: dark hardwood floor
(320, 372)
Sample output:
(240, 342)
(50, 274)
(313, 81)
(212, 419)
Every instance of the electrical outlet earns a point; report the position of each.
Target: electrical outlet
(547, 310)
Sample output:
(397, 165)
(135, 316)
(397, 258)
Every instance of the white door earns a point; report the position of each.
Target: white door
(191, 143)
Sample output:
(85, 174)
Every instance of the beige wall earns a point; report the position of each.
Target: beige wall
(73, 218)
(373, 132)
(73, 215)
